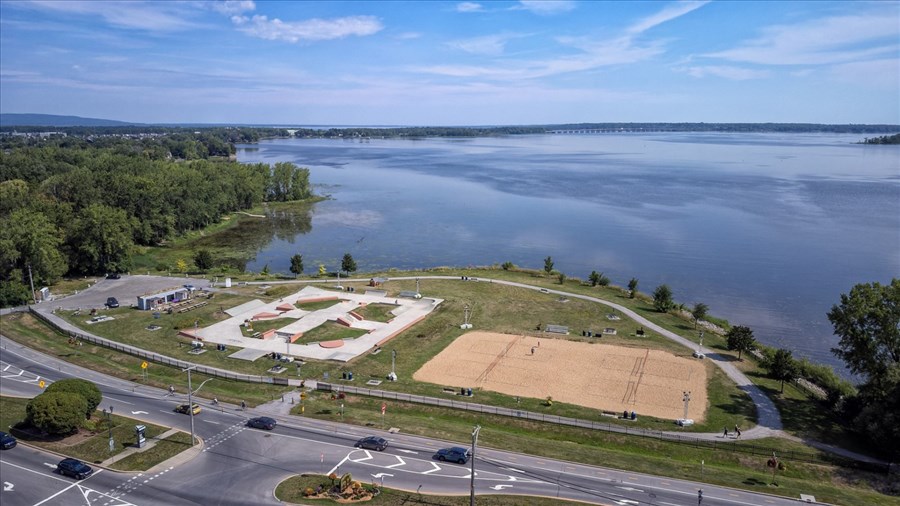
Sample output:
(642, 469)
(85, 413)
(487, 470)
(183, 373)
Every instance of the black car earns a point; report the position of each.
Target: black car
(372, 443)
(112, 302)
(113, 275)
(455, 454)
(7, 441)
(74, 468)
(262, 422)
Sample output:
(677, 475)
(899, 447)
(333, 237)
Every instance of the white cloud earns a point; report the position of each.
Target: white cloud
(156, 16)
(667, 14)
(232, 7)
(490, 45)
(468, 7)
(726, 72)
(311, 29)
(546, 7)
(829, 40)
(408, 35)
(876, 73)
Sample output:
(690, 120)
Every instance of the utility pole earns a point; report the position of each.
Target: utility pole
(31, 281)
(687, 401)
(191, 403)
(108, 414)
(474, 444)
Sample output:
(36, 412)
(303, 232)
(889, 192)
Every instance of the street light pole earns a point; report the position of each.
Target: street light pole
(108, 414)
(472, 485)
(191, 402)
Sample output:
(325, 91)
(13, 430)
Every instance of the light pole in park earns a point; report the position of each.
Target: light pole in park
(687, 400)
(472, 485)
(191, 393)
(393, 375)
(108, 415)
(466, 324)
(417, 287)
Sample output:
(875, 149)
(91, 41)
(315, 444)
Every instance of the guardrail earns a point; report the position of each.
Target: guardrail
(732, 445)
(151, 356)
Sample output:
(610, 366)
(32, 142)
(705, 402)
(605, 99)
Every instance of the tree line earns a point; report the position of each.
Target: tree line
(81, 209)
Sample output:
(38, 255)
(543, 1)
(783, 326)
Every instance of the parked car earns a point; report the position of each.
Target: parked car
(113, 275)
(74, 468)
(112, 302)
(183, 409)
(372, 443)
(262, 422)
(454, 454)
(7, 441)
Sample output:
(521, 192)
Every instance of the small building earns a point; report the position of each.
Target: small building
(557, 329)
(155, 300)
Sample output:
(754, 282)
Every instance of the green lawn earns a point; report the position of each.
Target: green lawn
(377, 312)
(314, 305)
(723, 465)
(330, 331)
(91, 443)
(291, 491)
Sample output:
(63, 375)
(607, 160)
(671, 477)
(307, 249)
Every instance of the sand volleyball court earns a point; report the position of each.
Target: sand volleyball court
(610, 378)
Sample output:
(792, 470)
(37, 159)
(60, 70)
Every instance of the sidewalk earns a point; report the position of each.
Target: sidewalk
(180, 458)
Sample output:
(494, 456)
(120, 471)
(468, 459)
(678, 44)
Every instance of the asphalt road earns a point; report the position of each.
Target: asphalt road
(237, 465)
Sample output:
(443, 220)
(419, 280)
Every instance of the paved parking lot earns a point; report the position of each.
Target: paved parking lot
(126, 290)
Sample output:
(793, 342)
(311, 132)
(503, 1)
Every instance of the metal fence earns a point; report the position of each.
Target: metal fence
(151, 356)
(732, 445)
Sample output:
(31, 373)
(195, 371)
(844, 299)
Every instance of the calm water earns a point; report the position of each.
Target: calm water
(766, 229)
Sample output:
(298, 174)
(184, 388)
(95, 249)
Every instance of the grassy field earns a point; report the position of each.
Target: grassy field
(723, 465)
(91, 443)
(291, 491)
(377, 312)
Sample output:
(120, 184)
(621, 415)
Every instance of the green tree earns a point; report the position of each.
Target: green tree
(632, 287)
(87, 390)
(14, 293)
(594, 278)
(662, 298)
(101, 240)
(548, 265)
(57, 413)
(29, 237)
(348, 264)
(297, 264)
(783, 366)
(322, 270)
(203, 259)
(508, 266)
(740, 338)
(561, 277)
(699, 312)
(181, 266)
(868, 323)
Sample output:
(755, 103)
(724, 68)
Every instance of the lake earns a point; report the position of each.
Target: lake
(767, 229)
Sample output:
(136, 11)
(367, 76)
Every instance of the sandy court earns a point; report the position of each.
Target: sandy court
(610, 378)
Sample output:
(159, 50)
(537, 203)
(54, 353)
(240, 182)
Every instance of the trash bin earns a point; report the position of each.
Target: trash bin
(350, 375)
(462, 391)
(590, 333)
(344, 375)
(625, 415)
(469, 392)
(633, 415)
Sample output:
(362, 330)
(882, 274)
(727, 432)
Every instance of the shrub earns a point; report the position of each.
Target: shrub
(57, 413)
(87, 390)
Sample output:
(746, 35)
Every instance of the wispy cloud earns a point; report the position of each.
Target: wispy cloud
(667, 14)
(156, 16)
(837, 39)
(725, 72)
(408, 35)
(875, 73)
(490, 45)
(468, 7)
(546, 7)
(310, 29)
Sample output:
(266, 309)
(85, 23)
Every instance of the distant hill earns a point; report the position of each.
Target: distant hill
(54, 120)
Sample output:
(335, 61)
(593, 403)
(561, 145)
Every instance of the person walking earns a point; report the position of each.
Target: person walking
(738, 430)
(243, 406)
(726, 432)
(699, 496)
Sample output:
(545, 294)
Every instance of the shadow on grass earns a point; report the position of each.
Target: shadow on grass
(722, 357)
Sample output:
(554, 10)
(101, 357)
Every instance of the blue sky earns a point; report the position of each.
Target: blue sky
(453, 63)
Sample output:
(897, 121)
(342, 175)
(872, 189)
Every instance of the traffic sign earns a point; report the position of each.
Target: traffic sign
(41, 384)
(383, 408)
(144, 364)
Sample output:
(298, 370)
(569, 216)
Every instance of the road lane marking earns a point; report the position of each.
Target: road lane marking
(76, 484)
